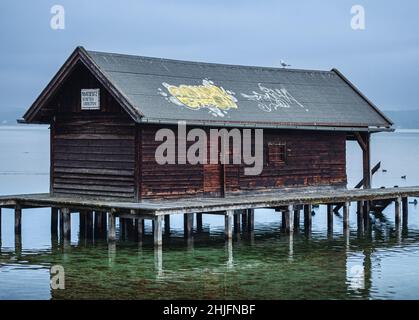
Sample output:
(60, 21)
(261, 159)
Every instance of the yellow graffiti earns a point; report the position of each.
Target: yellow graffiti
(206, 95)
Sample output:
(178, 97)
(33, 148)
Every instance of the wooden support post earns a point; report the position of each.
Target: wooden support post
(199, 224)
(122, 228)
(360, 217)
(129, 225)
(140, 229)
(104, 225)
(188, 224)
(99, 230)
(283, 220)
(54, 221)
(296, 219)
(289, 219)
(405, 210)
(167, 224)
(0, 229)
(18, 220)
(18, 244)
(307, 217)
(244, 219)
(330, 218)
(82, 224)
(236, 222)
(112, 226)
(250, 219)
(397, 210)
(158, 231)
(66, 223)
(364, 143)
(89, 224)
(228, 224)
(61, 224)
(346, 206)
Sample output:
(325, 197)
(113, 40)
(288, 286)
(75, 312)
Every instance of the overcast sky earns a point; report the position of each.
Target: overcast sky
(382, 60)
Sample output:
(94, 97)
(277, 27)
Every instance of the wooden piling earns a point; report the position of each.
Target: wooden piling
(188, 224)
(111, 226)
(360, 217)
(18, 220)
(397, 210)
(140, 229)
(250, 219)
(89, 224)
(99, 224)
(244, 219)
(330, 218)
(167, 224)
(122, 228)
(296, 219)
(158, 231)
(199, 224)
(307, 217)
(61, 223)
(405, 210)
(283, 220)
(288, 219)
(236, 222)
(346, 207)
(228, 224)
(366, 215)
(82, 225)
(66, 223)
(129, 226)
(54, 221)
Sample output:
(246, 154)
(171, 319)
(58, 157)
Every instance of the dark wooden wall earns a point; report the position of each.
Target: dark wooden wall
(93, 152)
(312, 159)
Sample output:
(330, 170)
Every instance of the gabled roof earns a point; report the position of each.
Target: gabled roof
(158, 90)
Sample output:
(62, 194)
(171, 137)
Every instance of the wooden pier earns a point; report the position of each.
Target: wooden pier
(234, 208)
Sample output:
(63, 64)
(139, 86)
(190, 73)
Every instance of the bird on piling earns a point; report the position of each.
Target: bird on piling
(284, 64)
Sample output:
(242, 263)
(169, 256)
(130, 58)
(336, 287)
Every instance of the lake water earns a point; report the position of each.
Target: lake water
(266, 265)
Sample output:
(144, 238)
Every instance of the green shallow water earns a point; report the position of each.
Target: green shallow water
(265, 265)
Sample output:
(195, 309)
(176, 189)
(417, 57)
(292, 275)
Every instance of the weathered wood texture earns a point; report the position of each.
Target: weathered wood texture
(93, 152)
(150, 208)
(309, 159)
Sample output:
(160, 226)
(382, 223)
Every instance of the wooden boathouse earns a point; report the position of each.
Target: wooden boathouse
(105, 109)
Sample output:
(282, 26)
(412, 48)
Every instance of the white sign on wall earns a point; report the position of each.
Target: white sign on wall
(90, 99)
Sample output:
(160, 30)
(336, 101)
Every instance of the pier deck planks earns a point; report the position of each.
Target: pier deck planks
(153, 208)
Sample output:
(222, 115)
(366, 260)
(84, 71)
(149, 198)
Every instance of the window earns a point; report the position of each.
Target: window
(277, 153)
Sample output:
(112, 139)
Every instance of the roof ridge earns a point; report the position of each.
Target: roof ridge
(238, 66)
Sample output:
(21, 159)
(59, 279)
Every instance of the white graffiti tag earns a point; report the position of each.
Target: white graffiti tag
(272, 99)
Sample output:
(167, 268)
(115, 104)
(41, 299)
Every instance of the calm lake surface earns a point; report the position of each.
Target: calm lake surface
(266, 265)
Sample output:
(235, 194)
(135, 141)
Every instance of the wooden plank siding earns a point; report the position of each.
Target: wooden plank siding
(311, 159)
(169, 180)
(93, 151)
(95, 159)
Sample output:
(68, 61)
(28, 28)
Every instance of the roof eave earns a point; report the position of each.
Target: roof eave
(372, 105)
(256, 125)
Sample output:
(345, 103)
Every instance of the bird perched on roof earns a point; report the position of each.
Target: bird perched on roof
(284, 64)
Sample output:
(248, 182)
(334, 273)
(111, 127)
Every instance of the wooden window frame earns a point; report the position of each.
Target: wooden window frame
(276, 152)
